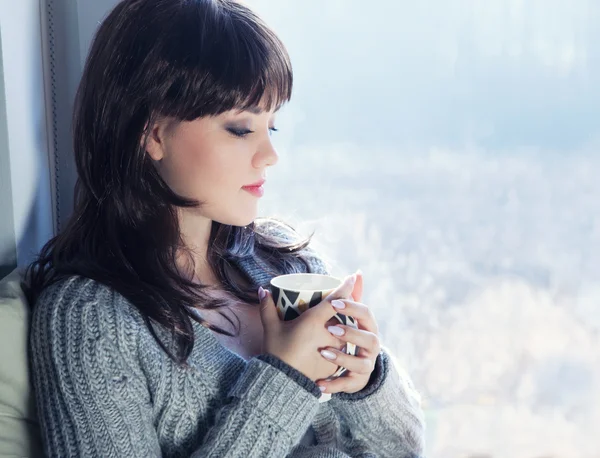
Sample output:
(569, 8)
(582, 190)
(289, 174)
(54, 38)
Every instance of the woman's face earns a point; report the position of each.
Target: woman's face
(212, 159)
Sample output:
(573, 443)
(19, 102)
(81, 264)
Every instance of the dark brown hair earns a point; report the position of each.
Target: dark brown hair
(182, 59)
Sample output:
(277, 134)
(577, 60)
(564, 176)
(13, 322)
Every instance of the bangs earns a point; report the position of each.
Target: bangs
(222, 57)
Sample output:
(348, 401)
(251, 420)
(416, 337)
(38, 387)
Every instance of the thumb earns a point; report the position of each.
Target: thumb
(268, 311)
(324, 309)
(344, 290)
(357, 292)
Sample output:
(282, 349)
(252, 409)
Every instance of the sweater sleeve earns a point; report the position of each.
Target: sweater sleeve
(93, 398)
(387, 413)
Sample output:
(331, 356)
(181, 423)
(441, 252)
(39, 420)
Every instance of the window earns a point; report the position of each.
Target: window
(449, 149)
(8, 247)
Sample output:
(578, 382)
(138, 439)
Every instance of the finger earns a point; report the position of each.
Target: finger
(365, 340)
(360, 312)
(268, 310)
(356, 364)
(323, 310)
(344, 384)
(344, 290)
(357, 291)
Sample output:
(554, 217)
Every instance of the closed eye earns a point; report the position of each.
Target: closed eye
(239, 132)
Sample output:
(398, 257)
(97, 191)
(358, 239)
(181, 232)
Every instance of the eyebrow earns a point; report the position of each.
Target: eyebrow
(257, 110)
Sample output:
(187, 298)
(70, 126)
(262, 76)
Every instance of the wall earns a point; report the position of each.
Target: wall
(24, 143)
(8, 248)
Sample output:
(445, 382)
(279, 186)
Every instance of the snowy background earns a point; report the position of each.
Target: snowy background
(450, 149)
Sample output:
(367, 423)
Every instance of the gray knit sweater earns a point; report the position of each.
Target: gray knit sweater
(105, 388)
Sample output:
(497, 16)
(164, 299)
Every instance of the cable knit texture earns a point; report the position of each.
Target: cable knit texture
(105, 388)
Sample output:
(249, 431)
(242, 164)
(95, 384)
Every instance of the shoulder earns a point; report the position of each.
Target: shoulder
(78, 292)
(78, 308)
(297, 252)
(276, 228)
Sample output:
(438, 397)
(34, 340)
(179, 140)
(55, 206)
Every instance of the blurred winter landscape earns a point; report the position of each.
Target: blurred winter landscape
(451, 150)
(481, 275)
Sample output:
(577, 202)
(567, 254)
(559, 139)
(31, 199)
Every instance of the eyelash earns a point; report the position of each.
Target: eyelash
(243, 132)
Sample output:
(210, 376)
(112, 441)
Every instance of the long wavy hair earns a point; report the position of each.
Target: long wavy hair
(181, 59)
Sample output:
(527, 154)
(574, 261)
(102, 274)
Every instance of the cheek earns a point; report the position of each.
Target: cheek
(205, 174)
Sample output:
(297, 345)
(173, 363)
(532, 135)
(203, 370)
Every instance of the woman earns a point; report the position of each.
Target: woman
(152, 331)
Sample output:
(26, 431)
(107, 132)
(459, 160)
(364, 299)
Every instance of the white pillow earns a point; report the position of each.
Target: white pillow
(19, 430)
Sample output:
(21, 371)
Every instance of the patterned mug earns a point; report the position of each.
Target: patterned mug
(294, 294)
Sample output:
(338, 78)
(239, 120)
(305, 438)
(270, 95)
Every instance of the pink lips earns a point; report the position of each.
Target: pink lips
(256, 189)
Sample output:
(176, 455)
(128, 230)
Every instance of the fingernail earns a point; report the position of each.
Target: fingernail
(327, 354)
(352, 279)
(261, 293)
(336, 330)
(359, 272)
(338, 304)
(322, 388)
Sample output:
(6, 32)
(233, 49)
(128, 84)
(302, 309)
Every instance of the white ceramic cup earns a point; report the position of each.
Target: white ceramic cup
(294, 294)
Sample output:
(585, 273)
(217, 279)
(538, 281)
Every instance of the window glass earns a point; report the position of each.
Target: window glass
(450, 151)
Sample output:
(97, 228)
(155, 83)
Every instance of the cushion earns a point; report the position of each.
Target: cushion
(19, 430)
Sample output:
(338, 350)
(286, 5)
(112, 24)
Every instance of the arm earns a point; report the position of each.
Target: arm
(93, 398)
(387, 413)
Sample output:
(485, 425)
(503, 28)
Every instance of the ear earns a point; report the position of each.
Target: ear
(155, 142)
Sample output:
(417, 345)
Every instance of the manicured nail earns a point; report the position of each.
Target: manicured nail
(336, 330)
(322, 388)
(352, 279)
(338, 304)
(261, 293)
(327, 354)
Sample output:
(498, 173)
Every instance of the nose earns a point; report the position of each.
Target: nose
(266, 155)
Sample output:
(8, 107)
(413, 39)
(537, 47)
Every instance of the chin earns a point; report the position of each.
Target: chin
(238, 220)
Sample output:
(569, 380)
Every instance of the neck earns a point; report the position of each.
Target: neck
(195, 233)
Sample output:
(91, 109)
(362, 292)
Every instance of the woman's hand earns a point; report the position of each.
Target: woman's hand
(298, 342)
(366, 337)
